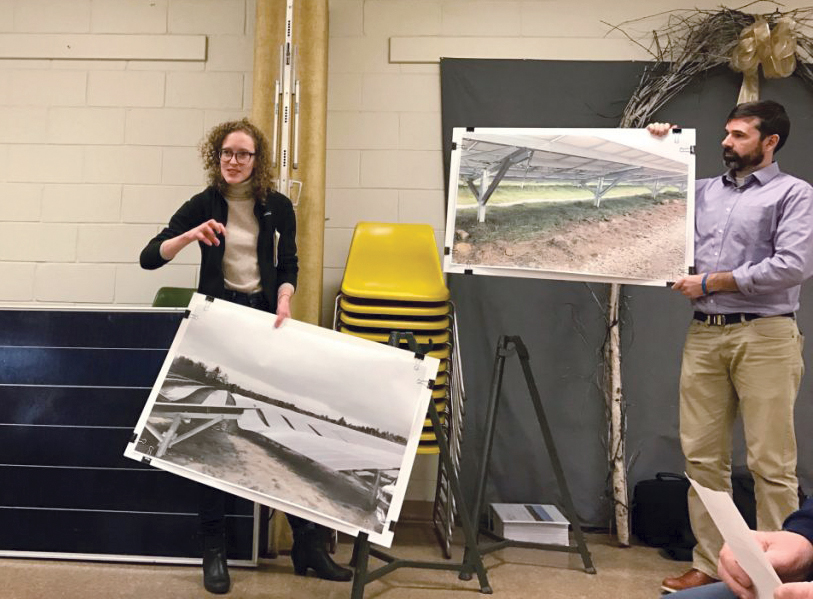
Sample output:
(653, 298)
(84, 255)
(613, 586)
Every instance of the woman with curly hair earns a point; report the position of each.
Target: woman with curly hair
(235, 221)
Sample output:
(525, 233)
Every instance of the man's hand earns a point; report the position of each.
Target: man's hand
(790, 554)
(659, 129)
(283, 309)
(691, 286)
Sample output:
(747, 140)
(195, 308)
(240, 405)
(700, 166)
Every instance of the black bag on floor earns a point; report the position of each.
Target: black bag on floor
(660, 510)
(660, 514)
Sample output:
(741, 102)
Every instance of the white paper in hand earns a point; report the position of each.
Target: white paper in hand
(736, 533)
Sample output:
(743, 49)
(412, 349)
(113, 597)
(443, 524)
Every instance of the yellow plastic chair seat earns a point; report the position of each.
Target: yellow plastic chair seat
(398, 325)
(436, 340)
(394, 262)
(440, 406)
(429, 435)
(442, 367)
(173, 297)
(441, 354)
(427, 424)
(393, 309)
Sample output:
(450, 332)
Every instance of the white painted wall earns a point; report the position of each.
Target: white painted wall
(95, 155)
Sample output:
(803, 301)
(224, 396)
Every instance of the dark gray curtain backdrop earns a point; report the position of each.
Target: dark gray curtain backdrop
(562, 323)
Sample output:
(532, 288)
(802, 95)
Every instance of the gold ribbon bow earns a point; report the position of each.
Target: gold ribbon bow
(774, 50)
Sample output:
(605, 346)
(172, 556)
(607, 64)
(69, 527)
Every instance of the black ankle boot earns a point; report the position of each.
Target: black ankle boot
(215, 572)
(310, 551)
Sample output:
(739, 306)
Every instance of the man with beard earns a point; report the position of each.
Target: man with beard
(753, 249)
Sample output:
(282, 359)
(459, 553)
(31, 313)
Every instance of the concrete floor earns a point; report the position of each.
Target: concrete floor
(629, 573)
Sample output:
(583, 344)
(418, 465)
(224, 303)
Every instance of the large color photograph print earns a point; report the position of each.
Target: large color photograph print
(310, 421)
(613, 205)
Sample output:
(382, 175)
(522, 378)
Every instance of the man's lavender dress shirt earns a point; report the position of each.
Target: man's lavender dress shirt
(762, 232)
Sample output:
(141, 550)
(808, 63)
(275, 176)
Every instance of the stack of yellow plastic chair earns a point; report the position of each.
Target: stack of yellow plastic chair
(393, 282)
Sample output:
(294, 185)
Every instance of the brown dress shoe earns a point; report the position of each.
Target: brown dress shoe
(689, 580)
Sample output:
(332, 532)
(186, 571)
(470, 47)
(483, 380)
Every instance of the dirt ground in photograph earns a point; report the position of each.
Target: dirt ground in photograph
(645, 242)
(237, 458)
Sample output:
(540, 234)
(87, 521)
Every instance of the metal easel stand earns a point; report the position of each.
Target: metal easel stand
(472, 559)
(507, 346)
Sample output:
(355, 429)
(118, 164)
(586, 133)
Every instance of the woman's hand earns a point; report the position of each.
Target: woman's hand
(205, 233)
(283, 308)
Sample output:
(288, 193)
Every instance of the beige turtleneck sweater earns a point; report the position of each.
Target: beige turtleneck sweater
(240, 269)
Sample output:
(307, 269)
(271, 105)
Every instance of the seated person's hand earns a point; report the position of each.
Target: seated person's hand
(795, 590)
(790, 554)
(659, 129)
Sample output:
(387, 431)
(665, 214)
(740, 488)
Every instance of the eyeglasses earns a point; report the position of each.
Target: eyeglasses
(242, 156)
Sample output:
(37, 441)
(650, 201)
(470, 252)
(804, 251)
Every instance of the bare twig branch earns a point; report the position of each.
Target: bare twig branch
(694, 41)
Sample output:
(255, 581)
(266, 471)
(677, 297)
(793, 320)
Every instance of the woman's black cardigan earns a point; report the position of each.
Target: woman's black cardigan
(275, 215)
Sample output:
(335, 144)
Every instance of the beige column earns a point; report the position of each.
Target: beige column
(269, 27)
(310, 36)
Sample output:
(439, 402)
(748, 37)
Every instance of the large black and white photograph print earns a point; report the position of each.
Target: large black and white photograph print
(308, 420)
(597, 204)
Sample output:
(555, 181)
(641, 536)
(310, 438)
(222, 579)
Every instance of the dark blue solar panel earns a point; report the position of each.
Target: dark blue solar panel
(80, 328)
(86, 406)
(72, 386)
(78, 366)
(115, 533)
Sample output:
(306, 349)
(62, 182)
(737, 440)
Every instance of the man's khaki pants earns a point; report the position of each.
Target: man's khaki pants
(754, 367)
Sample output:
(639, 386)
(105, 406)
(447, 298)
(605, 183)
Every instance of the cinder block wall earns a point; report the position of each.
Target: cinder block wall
(96, 154)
